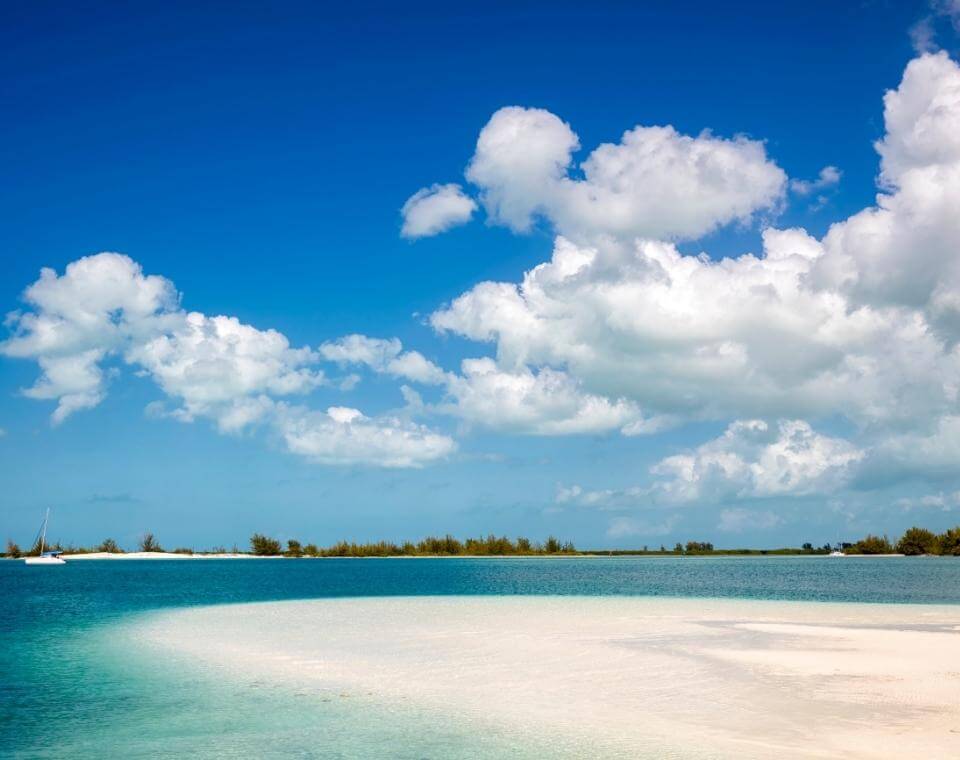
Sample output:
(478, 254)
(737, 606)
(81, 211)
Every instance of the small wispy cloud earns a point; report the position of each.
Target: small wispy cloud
(829, 176)
(117, 498)
(622, 527)
(602, 499)
(923, 34)
(738, 520)
(941, 501)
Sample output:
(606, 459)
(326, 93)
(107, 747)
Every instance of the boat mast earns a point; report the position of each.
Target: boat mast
(43, 531)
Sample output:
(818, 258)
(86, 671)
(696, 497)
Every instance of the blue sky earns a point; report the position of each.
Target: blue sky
(258, 159)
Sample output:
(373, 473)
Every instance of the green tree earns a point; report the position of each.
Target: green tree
(263, 546)
(918, 541)
(109, 545)
(293, 549)
(950, 542)
(12, 549)
(149, 543)
(311, 550)
(871, 544)
(552, 545)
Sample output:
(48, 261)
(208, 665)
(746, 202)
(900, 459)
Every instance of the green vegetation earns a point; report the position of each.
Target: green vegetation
(950, 542)
(263, 546)
(293, 549)
(918, 541)
(914, 542)
(432, 546)
(109, 545)
(149, 543)
(871, 544)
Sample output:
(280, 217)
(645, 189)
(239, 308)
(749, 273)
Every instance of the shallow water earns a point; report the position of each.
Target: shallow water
(73, 680)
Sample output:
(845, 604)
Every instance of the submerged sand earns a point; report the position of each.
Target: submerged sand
(621, 675)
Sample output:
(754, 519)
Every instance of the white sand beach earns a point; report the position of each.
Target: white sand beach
(625, 676)
(158, 555)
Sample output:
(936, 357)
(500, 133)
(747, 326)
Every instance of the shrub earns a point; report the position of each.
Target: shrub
(263, 546)
(13, 550)
(311, 550)
(918, 541)
(294, 549)
(149, 543)
(109, 545)
(446, 545)
(872, 545)
(950, 542)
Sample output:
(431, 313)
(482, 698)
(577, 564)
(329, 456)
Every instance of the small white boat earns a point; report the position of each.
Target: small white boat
(836, 553)
(45, 558)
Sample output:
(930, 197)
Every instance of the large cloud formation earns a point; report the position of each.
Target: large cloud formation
(862, 324)
(212, 367)
(618, 332)
(654, 183)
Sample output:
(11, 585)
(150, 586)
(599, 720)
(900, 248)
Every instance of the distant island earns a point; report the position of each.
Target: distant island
(914, 542)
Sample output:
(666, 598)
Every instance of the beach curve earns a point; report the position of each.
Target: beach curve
(625, 675)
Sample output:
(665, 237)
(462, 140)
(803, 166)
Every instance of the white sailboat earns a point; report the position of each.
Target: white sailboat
(838, 552)
(45, 558)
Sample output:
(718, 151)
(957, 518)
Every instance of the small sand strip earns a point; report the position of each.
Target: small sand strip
(158, 555)
(704, 678)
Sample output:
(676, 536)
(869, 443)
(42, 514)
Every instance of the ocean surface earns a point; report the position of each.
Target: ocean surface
(75, 681)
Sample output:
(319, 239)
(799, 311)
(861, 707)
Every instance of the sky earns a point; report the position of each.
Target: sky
(627, 274)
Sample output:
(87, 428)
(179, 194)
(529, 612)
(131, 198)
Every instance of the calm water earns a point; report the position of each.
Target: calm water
(73, 682)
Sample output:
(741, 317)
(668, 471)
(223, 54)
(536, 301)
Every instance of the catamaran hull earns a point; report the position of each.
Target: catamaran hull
(44, 561)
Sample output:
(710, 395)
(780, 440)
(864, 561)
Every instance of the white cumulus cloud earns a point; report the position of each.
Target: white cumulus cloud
(383, 355)
(435, 209)
(861, 324)
(655, 182)
(546, 402)
(221, 368)
(753, 459)
(104, 308)
(346, 436)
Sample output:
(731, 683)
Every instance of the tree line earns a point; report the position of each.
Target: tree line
(431, 546)
(915, 541)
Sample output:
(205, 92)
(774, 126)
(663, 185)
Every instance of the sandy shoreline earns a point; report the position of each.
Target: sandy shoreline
(599, 555)
(717, 678)
(159, 555)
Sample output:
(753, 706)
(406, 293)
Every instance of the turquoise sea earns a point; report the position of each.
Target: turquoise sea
(74, 682)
